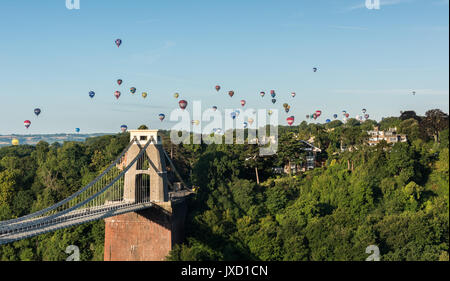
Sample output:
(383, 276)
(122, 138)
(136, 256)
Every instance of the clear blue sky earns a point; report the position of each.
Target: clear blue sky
(51, 57)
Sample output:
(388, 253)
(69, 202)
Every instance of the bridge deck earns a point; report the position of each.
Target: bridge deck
(16, 232)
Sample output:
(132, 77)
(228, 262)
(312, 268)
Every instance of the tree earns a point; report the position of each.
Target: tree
(434, 122)
(411, 128)
(8, 180)
(143, 127)
(405, 115)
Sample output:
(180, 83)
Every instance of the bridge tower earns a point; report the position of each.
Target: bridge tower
(149, 234)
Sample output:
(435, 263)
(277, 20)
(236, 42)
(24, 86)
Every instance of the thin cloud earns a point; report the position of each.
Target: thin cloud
(348, 27)
(362, 4)
(419, 92)
(152, 55)
(147, 21)
(442, 2)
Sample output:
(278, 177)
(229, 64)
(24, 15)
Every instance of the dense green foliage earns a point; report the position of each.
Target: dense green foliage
(392, 196)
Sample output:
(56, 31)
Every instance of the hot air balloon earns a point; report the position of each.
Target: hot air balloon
(237, 112)
(272, 93)
(274, 101)
(347, 115)
(307, 116)
(124, 128)
(366, 116)
(195, 122)
(27, 123)
(77, 130)
(214, 108)
(328, 121)
(245, 125)
(287, 109)
(162, 117)
(262, 94)
(285, 105)
(315, 116)
(290, 120)
(133, 90)
(250, 121)
(364, 110)
(231, 93)
(315, 69)
(217, 88)
(270, 112)
(414, 93)
(183, 104)
(117, 94)
(118, 42)
(335, 116)
(91, 94)
(293, 94)
(176, 95)
(318, 113)
(233, 115)
(144, 95)
(243, 103)
(119, 82)
(37, 111)
(15, 142)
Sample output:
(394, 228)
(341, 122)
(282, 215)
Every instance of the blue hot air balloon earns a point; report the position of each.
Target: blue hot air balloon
(335, 116)
(233, 115)
(328, 120)
(124, 128)
(37, 111)
(91, 94)
(77, 130)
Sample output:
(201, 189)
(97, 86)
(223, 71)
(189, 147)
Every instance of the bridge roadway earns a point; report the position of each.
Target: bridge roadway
(40, 225)
(26, 229)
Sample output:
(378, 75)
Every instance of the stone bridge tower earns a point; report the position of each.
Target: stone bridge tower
(146, 235)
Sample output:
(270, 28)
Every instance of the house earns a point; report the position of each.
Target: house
(390, 136)
(310, 157)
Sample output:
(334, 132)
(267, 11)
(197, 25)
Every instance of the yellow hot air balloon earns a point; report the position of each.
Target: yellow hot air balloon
(270, 112)
(15, 142)
(195, 122)
(144, 95)
(176, 95)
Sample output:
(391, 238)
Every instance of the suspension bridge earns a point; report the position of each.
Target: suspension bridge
(137, 180)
